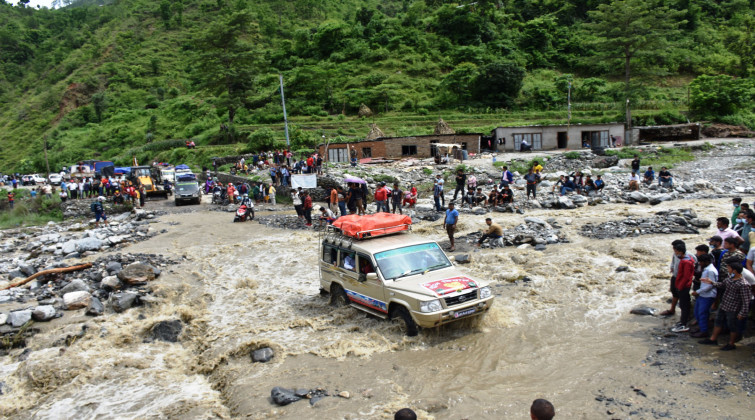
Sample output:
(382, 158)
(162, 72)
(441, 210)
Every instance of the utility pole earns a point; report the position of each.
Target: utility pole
(285, 117)
(47, 163)
(568, 113)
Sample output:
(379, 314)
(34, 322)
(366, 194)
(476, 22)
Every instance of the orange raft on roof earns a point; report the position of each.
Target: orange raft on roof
(372, 225)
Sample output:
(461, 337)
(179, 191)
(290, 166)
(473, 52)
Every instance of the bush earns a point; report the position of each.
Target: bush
(572, 155)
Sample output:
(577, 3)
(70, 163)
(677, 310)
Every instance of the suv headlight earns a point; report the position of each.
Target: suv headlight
(430, 306)
(485, 292)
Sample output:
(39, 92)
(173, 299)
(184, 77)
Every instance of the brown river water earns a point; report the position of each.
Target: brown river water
(566, 335)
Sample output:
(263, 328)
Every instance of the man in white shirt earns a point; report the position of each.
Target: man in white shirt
(634, 182)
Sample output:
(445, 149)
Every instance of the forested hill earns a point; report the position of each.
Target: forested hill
(110, 78)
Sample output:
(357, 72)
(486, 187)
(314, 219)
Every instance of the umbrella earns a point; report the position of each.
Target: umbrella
(354, 179)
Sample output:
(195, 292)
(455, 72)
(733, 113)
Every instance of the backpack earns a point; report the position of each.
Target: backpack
(94, 207)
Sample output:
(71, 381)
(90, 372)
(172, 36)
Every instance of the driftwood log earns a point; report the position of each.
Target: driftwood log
(50, 271)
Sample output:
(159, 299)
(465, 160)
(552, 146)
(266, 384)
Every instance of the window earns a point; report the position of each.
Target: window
(433, 148)
(366, 152)
(365, 265)
(533, 139)
(594, 139)
(408, 150)
(329, 254)
(464, 146)
(338, 155)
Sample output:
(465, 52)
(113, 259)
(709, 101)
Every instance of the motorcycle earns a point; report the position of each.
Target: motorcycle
(244, 213)
(219, 198)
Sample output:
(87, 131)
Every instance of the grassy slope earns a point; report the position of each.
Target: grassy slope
(120, 60)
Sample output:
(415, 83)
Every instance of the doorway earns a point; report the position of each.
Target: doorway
(562, 139)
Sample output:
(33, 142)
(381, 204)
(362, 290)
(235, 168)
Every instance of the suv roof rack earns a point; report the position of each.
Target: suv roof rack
(370, 226)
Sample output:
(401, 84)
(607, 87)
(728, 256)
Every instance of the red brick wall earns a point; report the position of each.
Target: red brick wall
(391, 147)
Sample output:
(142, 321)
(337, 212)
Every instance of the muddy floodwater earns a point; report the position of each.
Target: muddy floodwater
(559, 329)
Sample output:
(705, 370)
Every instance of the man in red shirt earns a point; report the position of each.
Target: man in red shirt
(683, 283)
(307, 207)
(310, 164)
(381, 198)
(410, 198)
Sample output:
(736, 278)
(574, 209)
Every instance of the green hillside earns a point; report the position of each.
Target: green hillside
(123, 78)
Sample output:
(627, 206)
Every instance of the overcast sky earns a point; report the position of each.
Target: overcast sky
(34, 3)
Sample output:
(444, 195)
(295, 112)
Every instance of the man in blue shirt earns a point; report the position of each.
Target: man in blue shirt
(449, 223)
(649, 176)
(507, 177)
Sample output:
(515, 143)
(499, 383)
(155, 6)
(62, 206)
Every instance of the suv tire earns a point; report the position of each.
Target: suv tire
(401, 316)
(338, 296)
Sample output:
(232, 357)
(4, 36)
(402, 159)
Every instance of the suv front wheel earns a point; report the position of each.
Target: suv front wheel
(406, 323)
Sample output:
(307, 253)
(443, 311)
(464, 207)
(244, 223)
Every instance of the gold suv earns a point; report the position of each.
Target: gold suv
(400, 276)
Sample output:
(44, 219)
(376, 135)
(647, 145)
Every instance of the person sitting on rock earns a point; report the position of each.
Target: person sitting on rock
(568, 186)
(507, 196)
(117, 197)
(326, 216)
(494, 231)
(589, 185)
(599, 183)
(478, 198)
(578, 181)
(493, 197)
(634, 182)
(559, 184)
(649, 176)
(665, 179)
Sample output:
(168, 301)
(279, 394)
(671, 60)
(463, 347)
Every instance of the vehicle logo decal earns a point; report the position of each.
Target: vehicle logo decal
(451, 285)
(367, 301)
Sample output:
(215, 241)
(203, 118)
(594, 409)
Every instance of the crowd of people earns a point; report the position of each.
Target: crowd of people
(280, 165)
(720, 277)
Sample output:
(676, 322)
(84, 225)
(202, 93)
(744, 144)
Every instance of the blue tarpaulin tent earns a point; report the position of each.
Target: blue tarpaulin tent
(182, 167)
(123, 170)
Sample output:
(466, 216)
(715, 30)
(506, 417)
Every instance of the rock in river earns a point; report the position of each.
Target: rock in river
(17, 319)
(283, 396)
(123, 301)
(262, 355)
(95, 307)
(167, 330)
(643, 310)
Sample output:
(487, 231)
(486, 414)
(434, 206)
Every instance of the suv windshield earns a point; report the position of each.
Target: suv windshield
(187, 188)
(410, 260)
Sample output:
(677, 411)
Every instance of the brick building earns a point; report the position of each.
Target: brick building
(400, 147)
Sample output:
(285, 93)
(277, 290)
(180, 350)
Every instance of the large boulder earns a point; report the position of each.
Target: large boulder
(565, 203)
(89, 244)
(77, 300)
(605, 161)
(95, 307)
(75, 285)
(43, 313)
(137, 273)
(167, 330)
(123, 301)
(638, 196)
(17, 319)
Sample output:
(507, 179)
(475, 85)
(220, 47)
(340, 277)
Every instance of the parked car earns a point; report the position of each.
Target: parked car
(38, 179)
(55, 179)
(27, 180)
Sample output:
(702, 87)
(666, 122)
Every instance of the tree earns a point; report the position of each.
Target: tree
(99, 102)
(226, 65)
(499, 82)
(630, 34)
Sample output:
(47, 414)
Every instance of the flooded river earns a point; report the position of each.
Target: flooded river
(560, 329)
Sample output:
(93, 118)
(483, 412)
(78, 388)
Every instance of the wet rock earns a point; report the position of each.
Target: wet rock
(14, 274)
(283, 396)
(95, 307)
(43, 313)
(643, 310)
(603, 162)
(113, 268)
(76, 285)
(540, 247)
(622, 268)
(463, 259)
(123, 301)
(3, 318)
(27, 270)
(17, 319)
(262, 355)
(137, 273)
(344, 394)
(76, 300)
(700, 223)
(535, 220)
(565, 203)
(167, 330)
(111, 282)
(89, 244)
(638, 196)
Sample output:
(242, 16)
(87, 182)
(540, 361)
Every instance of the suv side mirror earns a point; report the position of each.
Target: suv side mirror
(371, 276)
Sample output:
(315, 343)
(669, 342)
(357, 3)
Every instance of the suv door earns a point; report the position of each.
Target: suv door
(362, 289)
(329, 266)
